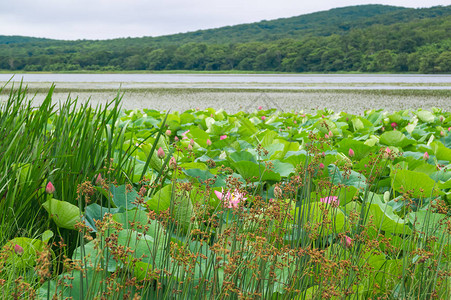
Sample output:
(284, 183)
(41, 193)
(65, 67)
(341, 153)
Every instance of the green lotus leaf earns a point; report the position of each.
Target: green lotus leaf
(64, 214)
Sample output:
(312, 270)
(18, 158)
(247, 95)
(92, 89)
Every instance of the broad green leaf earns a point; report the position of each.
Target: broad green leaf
(352, 178)
(395, 138)
(385, 219)
(419, 185)
(124, 198)
(425, 116)
(64, 214)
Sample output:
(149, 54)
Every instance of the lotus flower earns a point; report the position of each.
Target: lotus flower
(99, 179)
(18, 249)
(351, 152)
(263, 118)
(222, 137)
(426, 155)
(160, 153)
(260, 107)
(184, 137)
(330, 200)
(190, 147)
(321, 165)
(347, 242)
(49, 188)
(230, 200)
(176, 139)
(394, 124)
(168, 132)
(208, 142)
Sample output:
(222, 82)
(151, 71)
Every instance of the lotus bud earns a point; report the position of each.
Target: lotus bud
(99, 179)
(260, 107)
(222, 137)
(295, 122)
(18, 249)
(168, 132)
(191, 142)
(347, 242)
(326, 136)
(351, 152)
(208, 142)
(321, 166)
(394, 124)
(442, 119)
(172, 163)
(323, 154)
(331, 134)
(277, 192)
(160, 153)
(426, 155)
(263, 118)
(190, 148)
(49, 188)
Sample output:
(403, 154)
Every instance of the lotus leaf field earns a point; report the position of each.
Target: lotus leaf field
(102, 203)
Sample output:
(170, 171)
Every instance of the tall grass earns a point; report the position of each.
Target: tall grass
(174, 239)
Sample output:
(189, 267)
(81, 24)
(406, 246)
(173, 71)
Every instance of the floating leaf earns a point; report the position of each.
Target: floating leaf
(64, 214)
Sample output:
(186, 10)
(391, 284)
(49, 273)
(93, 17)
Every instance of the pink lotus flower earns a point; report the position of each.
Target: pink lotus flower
(321, 165)
(449, 128)
(303, 115)
(49, 188)
(18, 249)
(260, 107)
(426, 155)
(326, 136)
(332, 200)
(160, 153)
(323, 154)
(208, 142)
(176, 139)
(168, 132)
(347, 242)
(295, 122)
(230, 200)
(263, 118)
(394, 124)
(222, 137)
(351, 152)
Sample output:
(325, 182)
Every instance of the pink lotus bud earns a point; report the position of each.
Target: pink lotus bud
(18, 249)
(172, 163)
(303, 115)
(168, 132)
(394, 124)
(260, 107)
(190, 148)
(351, 152)
(263, 118)
(176, 139)
(347, 242)
(331, 134)
(442, 133)
(426, 155)
(382, 128)
(208, 142)
(222, 137)
(442, 119)
(160, 153)
(323, 154)
(449, 128)
(326, 136)
(277, 192)
(99, 179)
(321, 166)
(191, 142)
(295, 122)
(49, 189)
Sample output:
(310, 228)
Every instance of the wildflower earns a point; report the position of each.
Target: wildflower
(208, 142)
(394, 124)
(277, 192)
(49, 189)
(351, 152)
(168, 132)
(231, 200)
(222, 137)
(99, 179)
(160, 153)
(172, 163)
(347, 242)
(263, 118)
(330, 200)
(260, 107)
(426, 155)
(18, 249)
(321, 166)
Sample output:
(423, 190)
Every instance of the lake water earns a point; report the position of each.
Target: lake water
(261, 81)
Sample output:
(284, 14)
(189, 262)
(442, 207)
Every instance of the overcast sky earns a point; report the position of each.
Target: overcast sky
(106, 19)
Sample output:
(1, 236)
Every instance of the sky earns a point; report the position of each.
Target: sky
(107, 19)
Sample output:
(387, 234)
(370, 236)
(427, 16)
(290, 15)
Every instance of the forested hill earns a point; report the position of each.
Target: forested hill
(366, 38)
